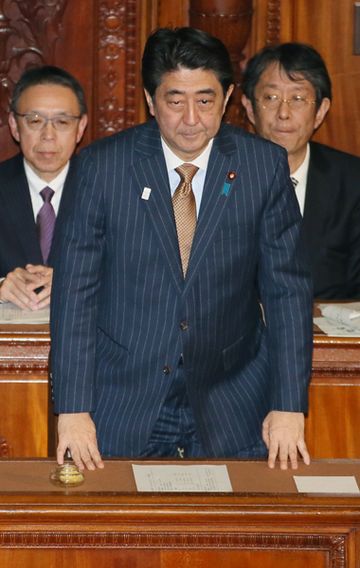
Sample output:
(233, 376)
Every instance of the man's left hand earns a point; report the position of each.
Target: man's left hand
(283, 434)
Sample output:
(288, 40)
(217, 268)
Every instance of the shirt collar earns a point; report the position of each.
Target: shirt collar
(36, 183)
(301, 173)
(173, 161)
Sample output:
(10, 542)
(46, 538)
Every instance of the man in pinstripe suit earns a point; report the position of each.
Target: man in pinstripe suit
(147, 362)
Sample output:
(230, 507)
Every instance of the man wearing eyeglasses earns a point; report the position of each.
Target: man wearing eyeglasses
(287, 94)
(48, 117)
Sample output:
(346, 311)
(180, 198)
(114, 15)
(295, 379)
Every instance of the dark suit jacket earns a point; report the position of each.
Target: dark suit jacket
(19, 243)
(119, 297)
(332, 222)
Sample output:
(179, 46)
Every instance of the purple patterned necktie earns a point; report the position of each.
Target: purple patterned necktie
(45, 222)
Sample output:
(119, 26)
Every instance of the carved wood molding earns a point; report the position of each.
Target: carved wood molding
(273, 23)
(115, 69)
(4, 448)
(28, 35)
(231, 22)
(19, 357)
(334, 544)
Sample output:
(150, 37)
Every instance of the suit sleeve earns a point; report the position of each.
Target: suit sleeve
(286, 294)
(75, 293)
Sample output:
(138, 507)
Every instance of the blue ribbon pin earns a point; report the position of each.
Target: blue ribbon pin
(227, 184)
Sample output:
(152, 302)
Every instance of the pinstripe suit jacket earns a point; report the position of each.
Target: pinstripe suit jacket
(119, 299)
(19, 242)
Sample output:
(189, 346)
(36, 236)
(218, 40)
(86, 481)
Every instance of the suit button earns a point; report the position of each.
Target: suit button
(166, 370)
(184, 325)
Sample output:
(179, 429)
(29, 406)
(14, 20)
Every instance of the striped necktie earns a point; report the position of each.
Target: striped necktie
(294, 181)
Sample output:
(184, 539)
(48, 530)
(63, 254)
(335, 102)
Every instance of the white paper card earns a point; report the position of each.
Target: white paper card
(339, 320)
(182, 478)
(9, 313)
(326, 484)
(335, 329)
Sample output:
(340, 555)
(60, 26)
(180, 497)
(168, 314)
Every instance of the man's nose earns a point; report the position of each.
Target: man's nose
(284, 109)
(191, 113)
(48, 130)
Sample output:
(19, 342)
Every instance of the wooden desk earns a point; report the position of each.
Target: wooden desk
(104, 522)
(24, 351)
(332, 427)
(333, 422)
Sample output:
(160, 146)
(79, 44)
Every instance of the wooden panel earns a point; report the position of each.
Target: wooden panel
(40, 33)
(162, 559)
(92, 526)
(328, 26)
(24, 391)
(24, 421)
(333, 422)
(99, 42)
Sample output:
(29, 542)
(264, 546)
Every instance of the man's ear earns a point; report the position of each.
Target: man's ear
(150, 102)
(322, 112)
(247, 104)
(81, 127)
(14, 127)
(228, 95)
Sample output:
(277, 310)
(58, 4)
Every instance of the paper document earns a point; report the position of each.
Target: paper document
(326, 484)
(182, 478)
(9, 313)
(339, 320)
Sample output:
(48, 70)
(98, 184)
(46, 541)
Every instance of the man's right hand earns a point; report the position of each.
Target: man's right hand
(77, 433)
(19, 287)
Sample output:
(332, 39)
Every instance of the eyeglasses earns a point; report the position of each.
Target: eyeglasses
(37, 121)
(296, 102)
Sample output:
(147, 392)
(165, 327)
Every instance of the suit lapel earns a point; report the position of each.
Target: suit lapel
(215, 199)
(18, 204)
(317, 181)
(150, 172)
(66, 204)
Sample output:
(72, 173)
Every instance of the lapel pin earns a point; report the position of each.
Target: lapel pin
(146, 193)
(227, 184)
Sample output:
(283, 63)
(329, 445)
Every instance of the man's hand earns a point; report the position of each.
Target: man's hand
(19, 287)
(283, 434)
(78, 434)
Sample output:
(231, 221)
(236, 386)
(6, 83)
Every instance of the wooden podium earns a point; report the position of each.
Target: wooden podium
(332, 426)
(106, 523)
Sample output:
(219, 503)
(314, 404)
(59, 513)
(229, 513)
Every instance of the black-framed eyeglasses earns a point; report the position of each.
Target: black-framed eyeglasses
(37, 121)
(296, 102)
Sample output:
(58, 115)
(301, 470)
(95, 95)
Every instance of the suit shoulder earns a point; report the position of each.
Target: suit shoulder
(11, 165)
(248, 141)
(243, 136)
(336, 157)
(116, 140)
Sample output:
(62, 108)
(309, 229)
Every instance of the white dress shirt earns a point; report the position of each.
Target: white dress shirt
(173, 161)
(301, 177)
(36, 184)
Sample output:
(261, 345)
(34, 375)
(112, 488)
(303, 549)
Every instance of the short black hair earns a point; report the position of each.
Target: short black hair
(169, 49)
(48, 75)
(296, 59)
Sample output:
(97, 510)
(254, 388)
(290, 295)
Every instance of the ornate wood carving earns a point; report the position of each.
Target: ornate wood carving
(115, 88)
(5, 32)
(230, 21)
(28, 35)
(273, 26)
(333, 544)
(24, 353)
(4, 448)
